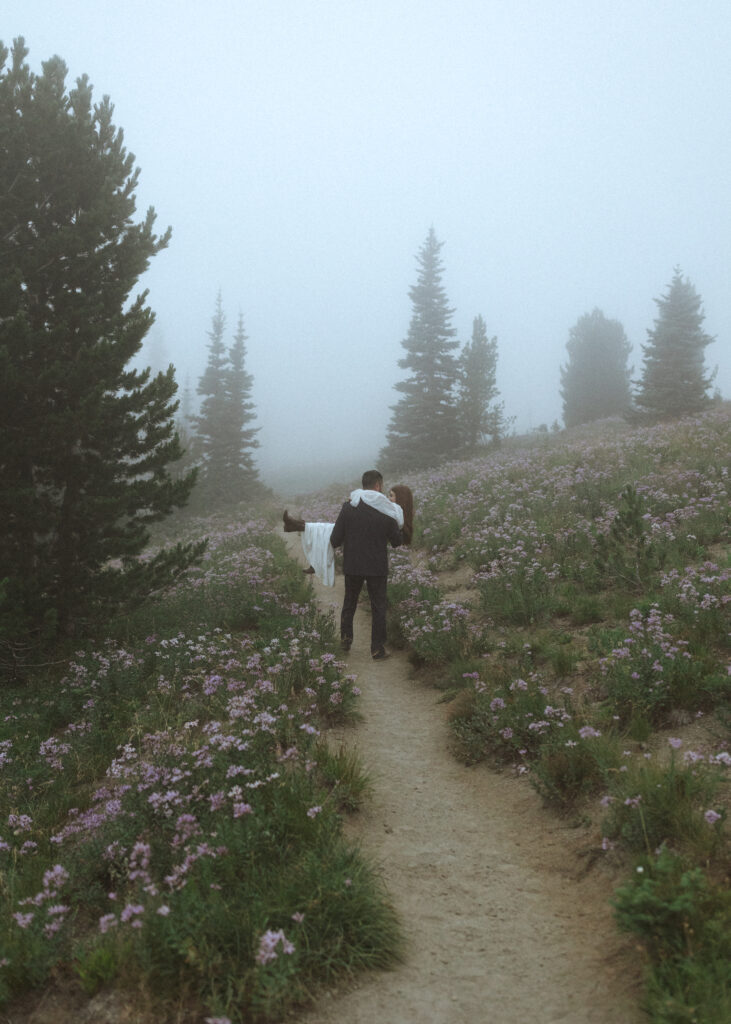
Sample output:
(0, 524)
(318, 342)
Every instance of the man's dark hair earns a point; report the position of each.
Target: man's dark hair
(371, 477)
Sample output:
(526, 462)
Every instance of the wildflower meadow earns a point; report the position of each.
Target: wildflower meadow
(569, 594)
(171, 820)
(171, 809)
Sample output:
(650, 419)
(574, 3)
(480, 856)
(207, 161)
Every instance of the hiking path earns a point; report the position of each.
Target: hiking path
(505, 923)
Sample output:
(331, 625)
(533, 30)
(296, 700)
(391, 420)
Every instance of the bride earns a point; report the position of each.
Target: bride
(316, 536)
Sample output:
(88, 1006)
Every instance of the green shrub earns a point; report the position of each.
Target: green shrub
(574, 765)
(684, 922)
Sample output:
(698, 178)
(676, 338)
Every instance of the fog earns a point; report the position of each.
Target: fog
(569, 154)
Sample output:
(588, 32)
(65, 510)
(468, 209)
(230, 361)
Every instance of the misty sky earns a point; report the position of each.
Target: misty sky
(569, 154)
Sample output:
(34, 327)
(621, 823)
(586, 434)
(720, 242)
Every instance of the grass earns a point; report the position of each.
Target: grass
(602, 568)
(173, 815)
(653, 802)
(684, 922)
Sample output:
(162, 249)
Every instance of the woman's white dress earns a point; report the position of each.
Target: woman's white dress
(319, 551)
(316, 537)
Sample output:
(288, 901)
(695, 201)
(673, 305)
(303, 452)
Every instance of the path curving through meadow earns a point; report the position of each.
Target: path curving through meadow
(503, 923)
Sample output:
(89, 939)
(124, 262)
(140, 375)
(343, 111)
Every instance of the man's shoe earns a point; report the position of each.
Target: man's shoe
(345, 643)
(380, 655)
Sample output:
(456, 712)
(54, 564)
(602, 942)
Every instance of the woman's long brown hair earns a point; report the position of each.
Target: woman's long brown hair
(405, 499)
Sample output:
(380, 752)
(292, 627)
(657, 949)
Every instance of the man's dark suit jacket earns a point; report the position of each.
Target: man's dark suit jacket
(365, 534)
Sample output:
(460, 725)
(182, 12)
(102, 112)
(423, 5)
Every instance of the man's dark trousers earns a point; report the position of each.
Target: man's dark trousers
(376, 586)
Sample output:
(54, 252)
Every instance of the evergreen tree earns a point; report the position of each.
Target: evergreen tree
(595, 381)
(225, 438)
(210, 421)
(85, 441)
(424, 424)
(479, 415)
(239, 439)
(674, 381)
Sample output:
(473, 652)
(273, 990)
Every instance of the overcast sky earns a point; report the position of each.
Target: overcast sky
(569, 154)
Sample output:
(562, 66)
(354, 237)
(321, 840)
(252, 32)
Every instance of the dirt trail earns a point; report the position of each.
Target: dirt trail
(501, 927)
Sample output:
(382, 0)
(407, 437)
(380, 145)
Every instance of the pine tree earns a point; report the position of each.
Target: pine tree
(424, 424)
(239, 439)
(210, 421)
(479, 416)
(225, 438)
(595, 381)
(85, 441)
(674, 381)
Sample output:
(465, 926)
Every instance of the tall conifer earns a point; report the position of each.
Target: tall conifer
(85, 441)
(595, 380)
(480, 416)
(674, 380)
(225, 438)
(210, 421)
(424, 425)
(239, 439)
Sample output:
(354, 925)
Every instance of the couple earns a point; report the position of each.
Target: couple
(365, 526)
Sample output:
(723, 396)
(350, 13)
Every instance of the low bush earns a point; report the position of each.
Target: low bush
(684, 922)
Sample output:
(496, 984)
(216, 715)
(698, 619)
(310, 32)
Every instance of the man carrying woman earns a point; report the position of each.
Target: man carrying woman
(365, 526)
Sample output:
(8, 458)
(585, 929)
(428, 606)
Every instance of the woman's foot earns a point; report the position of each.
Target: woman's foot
(292, 525)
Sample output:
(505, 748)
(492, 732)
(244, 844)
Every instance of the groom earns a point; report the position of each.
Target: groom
(365, 526)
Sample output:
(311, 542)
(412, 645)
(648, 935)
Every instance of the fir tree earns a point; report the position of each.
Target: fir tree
(674, 381)
(595, 381)
(424, 424)
(210, 421)
(225, 438)
(239, 439)
(85, 441)
(479, 415)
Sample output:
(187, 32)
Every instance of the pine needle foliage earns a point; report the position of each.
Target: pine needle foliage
(424, 426)
(225, 437)
(674, 380)
(85, 442)
(480, 416)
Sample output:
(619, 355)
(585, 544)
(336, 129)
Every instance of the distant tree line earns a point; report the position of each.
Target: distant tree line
(448, 401)
(595, 382)
(90, 449)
